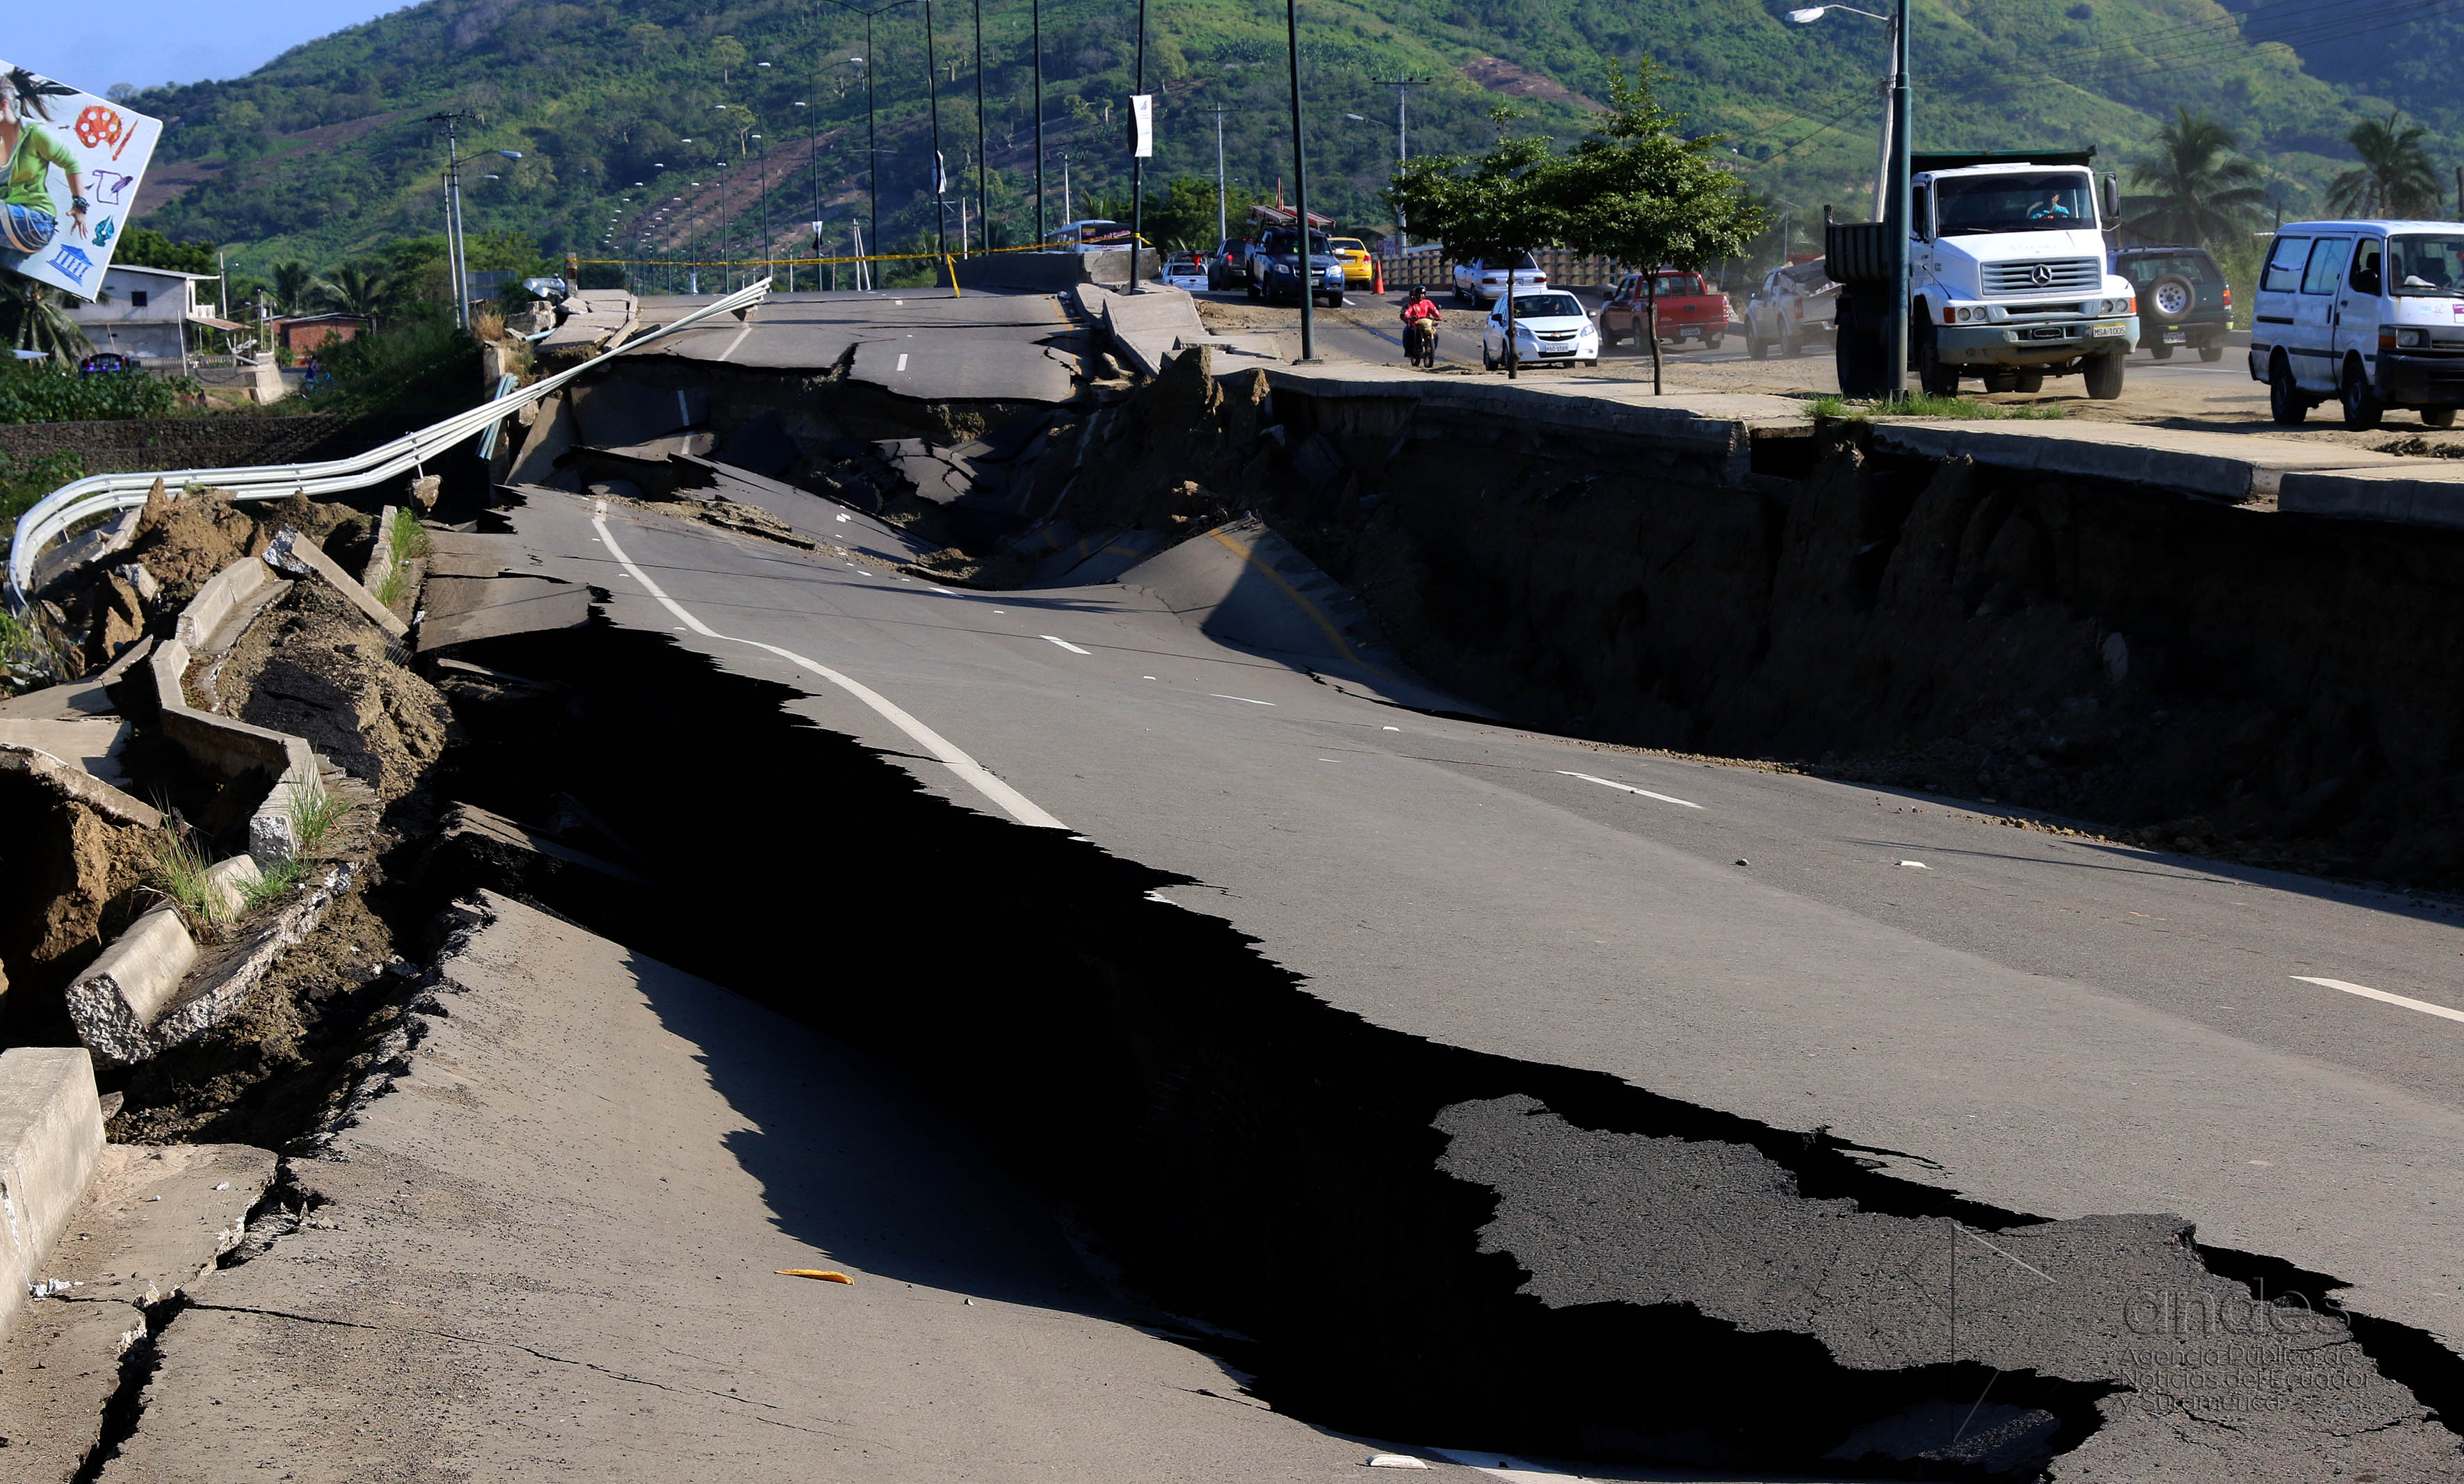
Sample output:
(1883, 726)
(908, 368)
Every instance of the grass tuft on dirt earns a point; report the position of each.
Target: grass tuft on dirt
(1922, 405)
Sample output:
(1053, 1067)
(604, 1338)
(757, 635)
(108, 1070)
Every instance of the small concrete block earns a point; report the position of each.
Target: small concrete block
(229, 881)
(122, 992)
(50, 1137)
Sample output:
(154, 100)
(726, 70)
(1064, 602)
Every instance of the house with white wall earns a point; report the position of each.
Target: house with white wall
(147, 312)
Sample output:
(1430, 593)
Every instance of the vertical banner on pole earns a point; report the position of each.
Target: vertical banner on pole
(75, 161)
(1142, 125)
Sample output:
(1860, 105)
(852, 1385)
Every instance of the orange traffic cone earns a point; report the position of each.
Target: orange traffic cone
(1377, 276)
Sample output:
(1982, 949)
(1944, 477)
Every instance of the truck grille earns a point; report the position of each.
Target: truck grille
(2060, 275)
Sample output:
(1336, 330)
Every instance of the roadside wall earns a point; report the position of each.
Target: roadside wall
(138, 445)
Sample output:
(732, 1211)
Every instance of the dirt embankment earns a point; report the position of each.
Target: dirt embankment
(2268, 687)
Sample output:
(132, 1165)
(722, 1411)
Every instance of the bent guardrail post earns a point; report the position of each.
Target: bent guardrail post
(56, 512)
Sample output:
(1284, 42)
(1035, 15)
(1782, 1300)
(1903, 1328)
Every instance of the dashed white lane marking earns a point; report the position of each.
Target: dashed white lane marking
(2367, 993)
(1629, 788)
(1221, 697)
(738, 340)
(1065, 643)
(1017, 805)
(902, 361)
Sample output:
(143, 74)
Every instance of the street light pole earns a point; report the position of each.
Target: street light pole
(1035, 13)
(454, 269)
(1300, 189)
(932, 92)
(984, 192)
(1882, 160)
(765, 200)
(1223, 216)
(1899, 216)
(1137, 160)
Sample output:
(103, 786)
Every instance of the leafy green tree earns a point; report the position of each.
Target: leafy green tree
(1500, 204)
(35, 319)
(142, 247)
(2395, 177)
(726, 54)
(363, 289)
(647, 36)
(1638, 192)
(292, 282)
(2197, 190)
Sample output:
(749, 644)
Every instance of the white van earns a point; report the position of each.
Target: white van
(2370, 313)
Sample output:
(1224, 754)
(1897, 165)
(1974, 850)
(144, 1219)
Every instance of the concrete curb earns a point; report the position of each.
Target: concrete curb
(223, 594)
(2231, 467)
(226, 979)
(1147, 328)
(2397, 495)
(50, 1139)
(381, 555)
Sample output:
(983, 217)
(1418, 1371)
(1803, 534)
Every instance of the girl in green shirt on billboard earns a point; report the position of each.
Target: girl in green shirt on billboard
(29, 213)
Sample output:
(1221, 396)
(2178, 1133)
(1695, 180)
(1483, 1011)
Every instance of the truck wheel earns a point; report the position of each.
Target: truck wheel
(2002, 379)
(2363, 407)
(2214, 352)
(1936, 378)
(1711, 342)
(2285, 402)
(2160, 350)
(2172, 298)
(2029, 381)
(1756, 346)
(2103, 376)
(2438, 417)
(1791, 346)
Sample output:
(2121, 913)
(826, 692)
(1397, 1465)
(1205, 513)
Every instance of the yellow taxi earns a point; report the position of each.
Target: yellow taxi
(1359, 271)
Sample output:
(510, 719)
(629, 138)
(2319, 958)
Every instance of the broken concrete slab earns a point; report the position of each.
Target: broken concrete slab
(481, 1294)
(295, 553)
(471, 596)
(154, 1218)
(544, 450)
(619, 411)
(945, 369)
(51, 1136)
(2411, 492)
(69, 780)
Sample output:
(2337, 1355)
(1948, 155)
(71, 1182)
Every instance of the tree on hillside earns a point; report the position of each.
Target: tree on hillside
(2197, 189)
(1496, 205)
(292, 282)
(33, 318)
(647, 36)
(361, 289)
(2395, 177)
(726, 54)
(142, 247)
(1637, 193)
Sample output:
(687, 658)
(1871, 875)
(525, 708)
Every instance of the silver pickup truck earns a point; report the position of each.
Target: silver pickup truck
(1793, 307)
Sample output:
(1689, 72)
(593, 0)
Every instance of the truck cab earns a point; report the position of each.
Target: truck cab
(2370, 314)
(2007, 275)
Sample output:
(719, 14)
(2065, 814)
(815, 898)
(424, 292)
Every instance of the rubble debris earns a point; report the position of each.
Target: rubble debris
(316, 667)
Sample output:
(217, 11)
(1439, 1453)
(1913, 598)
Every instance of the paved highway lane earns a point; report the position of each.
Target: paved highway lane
(921, 342)
(2037, 1022)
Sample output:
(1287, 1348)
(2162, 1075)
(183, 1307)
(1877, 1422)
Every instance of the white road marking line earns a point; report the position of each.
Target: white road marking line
(1065, 643)
(1919, 865)
(738, 340)
(902, 361)
(1630, 789)
(2367, 993)
(1221, 697)
(1017, 805)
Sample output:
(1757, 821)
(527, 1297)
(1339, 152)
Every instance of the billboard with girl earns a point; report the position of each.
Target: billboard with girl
(74, 163)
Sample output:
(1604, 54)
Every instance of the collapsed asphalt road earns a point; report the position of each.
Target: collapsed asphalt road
(1950, 1023)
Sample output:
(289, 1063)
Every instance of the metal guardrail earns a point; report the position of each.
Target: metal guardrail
(61, 511)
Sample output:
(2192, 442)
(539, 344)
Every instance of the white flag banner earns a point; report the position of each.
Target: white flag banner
(1142, 125)
(75, 162)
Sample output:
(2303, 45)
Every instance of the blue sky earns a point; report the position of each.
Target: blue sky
(151, 41)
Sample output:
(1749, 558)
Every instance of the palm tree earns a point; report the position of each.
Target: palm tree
(33, 319)
(2395, 177)
(2196, 190)
(361, 289)
(292, 282)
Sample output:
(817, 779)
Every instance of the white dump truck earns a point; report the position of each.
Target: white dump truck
(2007, 277)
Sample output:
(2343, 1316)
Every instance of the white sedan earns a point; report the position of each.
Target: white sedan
(1183, 271)
(1548, 327)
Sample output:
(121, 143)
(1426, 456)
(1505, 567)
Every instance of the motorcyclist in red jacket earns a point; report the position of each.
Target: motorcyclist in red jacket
(1421, 316)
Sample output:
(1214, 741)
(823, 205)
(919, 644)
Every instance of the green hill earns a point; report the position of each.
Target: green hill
(626, 109)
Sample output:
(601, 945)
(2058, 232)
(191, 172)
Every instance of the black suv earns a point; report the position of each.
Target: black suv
(2182, 299)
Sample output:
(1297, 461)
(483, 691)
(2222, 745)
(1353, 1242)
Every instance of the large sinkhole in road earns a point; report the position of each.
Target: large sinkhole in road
(1396, 1238)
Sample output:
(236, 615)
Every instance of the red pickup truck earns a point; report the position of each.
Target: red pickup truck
(1689, 309)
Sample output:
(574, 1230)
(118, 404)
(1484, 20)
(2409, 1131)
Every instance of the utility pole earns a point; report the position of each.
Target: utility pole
(456, 269)
(983, 191)
(1222, 217)
(1138, 158)
(1402, 87)
(1300, 187)
(766, 203)
(1035, 16)
(1895, 338)
(1065, 217)
(933, 93)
